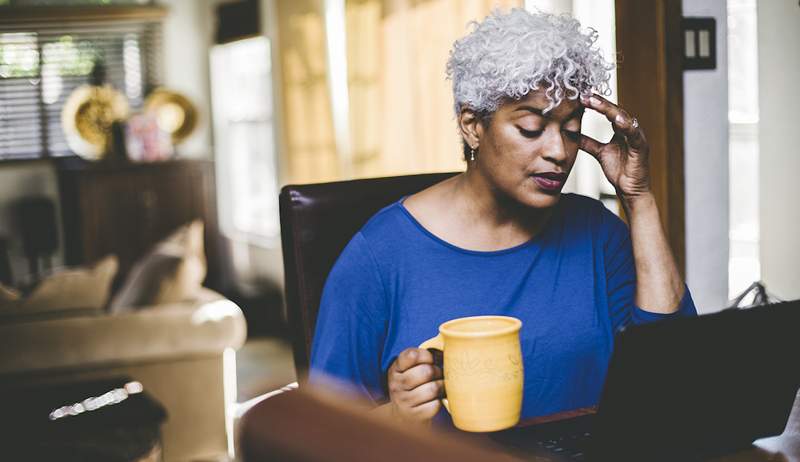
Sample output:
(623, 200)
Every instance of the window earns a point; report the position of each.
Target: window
(43, 59)
(241, 91)
(743, 117)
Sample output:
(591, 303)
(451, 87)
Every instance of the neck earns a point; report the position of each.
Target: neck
(486, 204)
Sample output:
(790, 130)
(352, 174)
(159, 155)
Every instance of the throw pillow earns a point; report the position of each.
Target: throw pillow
(75, 288)
(83, 288)
(172, 272)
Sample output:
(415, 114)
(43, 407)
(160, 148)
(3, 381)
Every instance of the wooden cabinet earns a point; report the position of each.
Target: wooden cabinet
(125, 209)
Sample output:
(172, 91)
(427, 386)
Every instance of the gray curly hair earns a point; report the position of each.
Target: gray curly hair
(507, 55)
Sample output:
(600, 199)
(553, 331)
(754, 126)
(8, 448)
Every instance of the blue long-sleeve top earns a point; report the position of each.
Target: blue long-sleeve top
(573, 286)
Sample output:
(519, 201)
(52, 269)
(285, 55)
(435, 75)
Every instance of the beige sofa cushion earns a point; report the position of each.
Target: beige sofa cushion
(202, 327)
(171, 273)
(83, 289)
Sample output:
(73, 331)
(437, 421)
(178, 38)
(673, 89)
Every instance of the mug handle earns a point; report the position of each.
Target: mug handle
(436, 343)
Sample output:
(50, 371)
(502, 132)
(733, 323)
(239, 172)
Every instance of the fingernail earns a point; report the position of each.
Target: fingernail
(619, 119)
(595, 100)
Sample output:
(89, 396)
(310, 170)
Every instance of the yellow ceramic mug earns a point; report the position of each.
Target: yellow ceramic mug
(482, 371)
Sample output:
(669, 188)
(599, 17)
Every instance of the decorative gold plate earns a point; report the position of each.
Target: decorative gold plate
(87, 116)
(174, 113)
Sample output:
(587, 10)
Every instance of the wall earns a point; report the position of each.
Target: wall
(779, 100)
(705, 116)
(188, 31)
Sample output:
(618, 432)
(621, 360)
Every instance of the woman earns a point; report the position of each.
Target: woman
(502, 239)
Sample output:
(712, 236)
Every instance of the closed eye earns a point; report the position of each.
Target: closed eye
(530, 133)
(572, 135)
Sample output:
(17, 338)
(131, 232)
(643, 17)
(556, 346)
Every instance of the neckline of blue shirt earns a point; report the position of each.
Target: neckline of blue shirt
(482, 253)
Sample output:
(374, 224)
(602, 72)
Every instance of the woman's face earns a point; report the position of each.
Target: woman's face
(527, 154)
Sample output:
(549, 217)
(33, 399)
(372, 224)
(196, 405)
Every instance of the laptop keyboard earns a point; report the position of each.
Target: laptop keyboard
(571, 446)
(568, 439)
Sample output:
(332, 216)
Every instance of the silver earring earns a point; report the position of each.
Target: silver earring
(472, 154)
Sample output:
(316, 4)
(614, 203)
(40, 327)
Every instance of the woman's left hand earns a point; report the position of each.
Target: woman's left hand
(624, 159)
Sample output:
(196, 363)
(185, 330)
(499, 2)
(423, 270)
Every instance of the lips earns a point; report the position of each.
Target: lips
(555, 176)
(550, 181)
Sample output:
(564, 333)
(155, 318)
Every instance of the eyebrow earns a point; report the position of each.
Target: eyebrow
(540, 112)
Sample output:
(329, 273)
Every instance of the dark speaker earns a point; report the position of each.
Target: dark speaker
(237, 20)
(5, 265)
(36, 219)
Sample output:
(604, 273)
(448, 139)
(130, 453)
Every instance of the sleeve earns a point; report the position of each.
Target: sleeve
(621, 278)
(351, 326)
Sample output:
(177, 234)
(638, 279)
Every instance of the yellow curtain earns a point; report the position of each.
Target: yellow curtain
(309, 145)
(401, 116)
(400, 105)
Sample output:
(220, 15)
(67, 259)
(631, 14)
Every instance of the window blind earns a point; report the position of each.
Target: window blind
(43, 61)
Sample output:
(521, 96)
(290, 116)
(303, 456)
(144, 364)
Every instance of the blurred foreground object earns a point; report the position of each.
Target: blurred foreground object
(112, 420)
(173, 112)
(308, 425)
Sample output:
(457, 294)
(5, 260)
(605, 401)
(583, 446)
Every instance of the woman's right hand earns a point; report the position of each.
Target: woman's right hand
(415, 386)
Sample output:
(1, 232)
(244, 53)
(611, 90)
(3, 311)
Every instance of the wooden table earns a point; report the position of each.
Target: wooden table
(306, 426)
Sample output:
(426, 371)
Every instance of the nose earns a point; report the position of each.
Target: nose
(555, 149)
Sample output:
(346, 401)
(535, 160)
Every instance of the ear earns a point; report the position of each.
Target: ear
(471, 127)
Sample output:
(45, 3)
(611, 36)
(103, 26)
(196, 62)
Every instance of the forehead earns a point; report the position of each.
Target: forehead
(538, 101)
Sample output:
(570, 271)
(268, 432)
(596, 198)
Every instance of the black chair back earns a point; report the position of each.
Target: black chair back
(317, 222)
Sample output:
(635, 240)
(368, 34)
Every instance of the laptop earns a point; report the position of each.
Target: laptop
(685, 389)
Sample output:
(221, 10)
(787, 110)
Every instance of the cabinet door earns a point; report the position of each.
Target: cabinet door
(174, 197)
(117, 210)
(127, 211)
